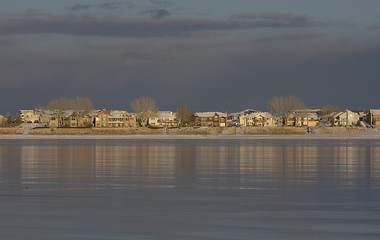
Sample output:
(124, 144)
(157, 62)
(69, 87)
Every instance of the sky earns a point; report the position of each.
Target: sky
(212, 55)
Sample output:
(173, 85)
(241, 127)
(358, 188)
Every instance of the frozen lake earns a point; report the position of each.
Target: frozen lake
(189, 189)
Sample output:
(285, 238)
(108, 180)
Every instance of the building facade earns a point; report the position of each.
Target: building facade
(258, 119)
(209, 119)
(164, 119)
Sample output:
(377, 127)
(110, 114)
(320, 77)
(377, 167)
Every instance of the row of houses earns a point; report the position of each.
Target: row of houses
(248, 118)
(70, 118)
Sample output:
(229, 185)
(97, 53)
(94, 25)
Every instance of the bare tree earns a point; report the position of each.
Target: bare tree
(83, 104)
(183, 115)
(78, 103)
(328, 109)
(283, 106)
(144, 107)
(327, 113)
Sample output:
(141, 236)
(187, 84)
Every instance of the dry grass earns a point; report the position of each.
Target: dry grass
(339, 130)
(5, 131)
(183, 131)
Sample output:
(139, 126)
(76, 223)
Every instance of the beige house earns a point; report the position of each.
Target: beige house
(30, 116)
(2, 120)
(258, 119)
(346, 118)
(53, 121)
(164, 119)
(209, 119)
(303, 118)
(76, 119)
(373, 117)
(114, 119)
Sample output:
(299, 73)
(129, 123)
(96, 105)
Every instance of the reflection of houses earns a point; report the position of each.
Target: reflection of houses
(30, 116)
(303, 118)
(114, 119)
(258, 119)
(373, 117)
(346, 118)
(164, 119)
(209, 119)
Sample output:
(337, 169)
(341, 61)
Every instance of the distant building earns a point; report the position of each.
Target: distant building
(238, 115)
(346, 118)
(164, 119)
(303, 118)
(114, 119)
(30, 116)
(209, 119)
(3, 120)
(373, 117)
(258, 119)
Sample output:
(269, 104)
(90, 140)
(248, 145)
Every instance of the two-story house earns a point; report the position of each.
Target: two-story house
(209, 119)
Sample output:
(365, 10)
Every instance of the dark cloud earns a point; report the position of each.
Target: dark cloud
(134, 55)
(290, 37)
(32, 13)
(203, 73)
(160, 2)
(118, 27)
(157, 13)
(78, 7)
(212, 70)
(6, 41)
(278, 18)
(164, 4)
(110, 5)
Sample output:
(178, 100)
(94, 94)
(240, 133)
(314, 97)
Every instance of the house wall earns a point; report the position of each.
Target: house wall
(29, 116)
(105, 120)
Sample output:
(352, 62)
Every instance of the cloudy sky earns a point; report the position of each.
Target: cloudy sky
(217, 55)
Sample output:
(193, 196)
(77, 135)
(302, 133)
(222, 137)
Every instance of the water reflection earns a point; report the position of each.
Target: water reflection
(230, 164)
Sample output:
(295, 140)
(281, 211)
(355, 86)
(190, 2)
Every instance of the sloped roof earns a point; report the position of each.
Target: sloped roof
(375, 111)
(344, 113)
(244, 112)
(210, 114)
(163, 114)
(26, 111)
(256, 114)
(304, 114)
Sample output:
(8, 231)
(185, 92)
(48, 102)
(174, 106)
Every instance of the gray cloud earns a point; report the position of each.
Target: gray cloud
(110, 5)
(159, 1)
(6, 41)
(162, 4)
(290, 37)
(78, 7)
(119, 27)
(178, 69)
(278, 18)
(32, 13)
(157, 13)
